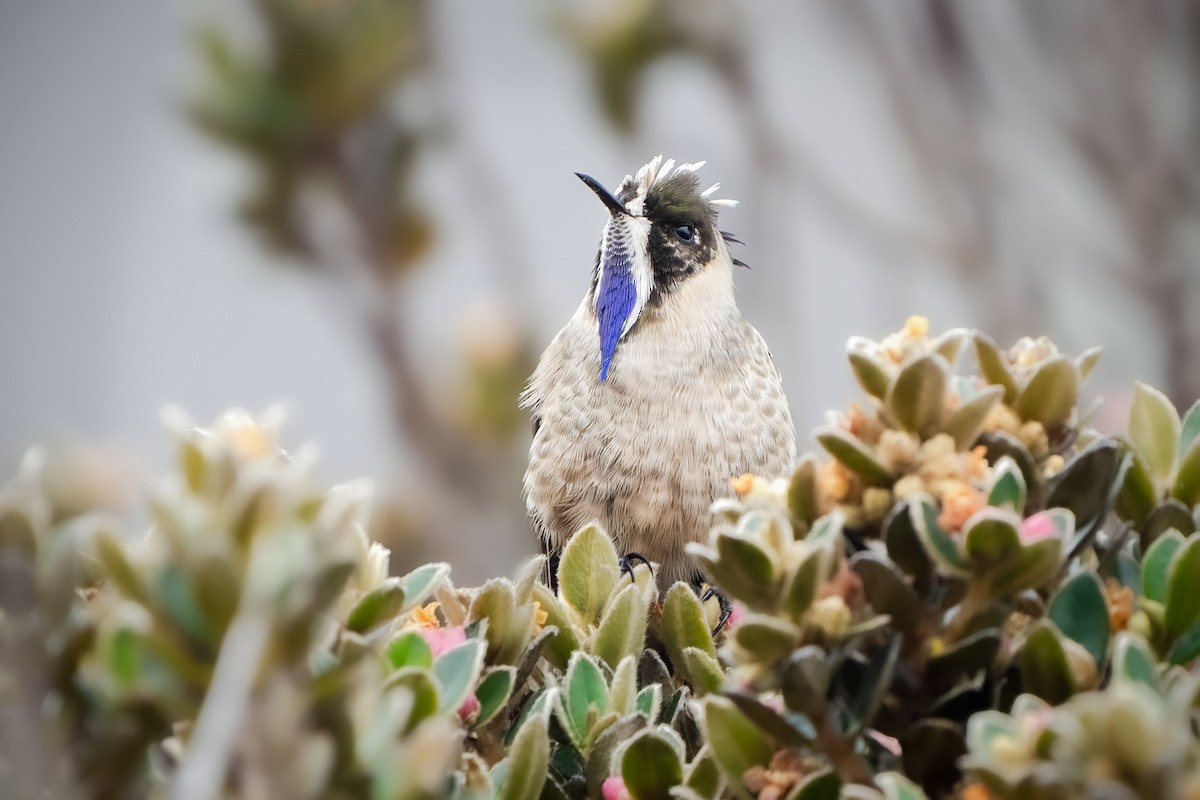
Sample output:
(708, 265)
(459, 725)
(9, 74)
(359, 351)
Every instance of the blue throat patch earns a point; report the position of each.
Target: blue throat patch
(615, 299)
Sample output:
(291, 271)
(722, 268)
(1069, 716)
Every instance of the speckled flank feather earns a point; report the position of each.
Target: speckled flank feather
(692, 399)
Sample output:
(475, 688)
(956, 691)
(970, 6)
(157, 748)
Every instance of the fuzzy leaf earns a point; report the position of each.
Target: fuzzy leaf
(917, 397)
(1137, 495)
(967, 420)
(684, 624)
(802, 491)
(802, 588)
(1133, 661)
(703, 776)
(1035, 564)
(1008, 486)
(821, 785)
(736, 743)
(1051, 393)
(585, 695)
(765, 638)
(112, 557)
(1156, 564)
(703, 670)
(1187, 478)
(457, 670)
(649, 700)
(1169, 515)
(897, 787)
(494, 691)
(409, 649)
(1186, 647)
(990, 536)
(768, 719)
(1045, 670)
(528, 760)
(563, 642)
(650, 766)
(805, 681)
(622, 630)
(746, 571)
(886, 590)
(993, 365)
(422, 687)
(1183, 577)
(421, 584)
(1154, 429)
(904, 547)
(939, 544)
(588, 572)
(871, 373)
(854, 455)
(381, 604)
(1085, 486)
(1080, 610)
(950, 344)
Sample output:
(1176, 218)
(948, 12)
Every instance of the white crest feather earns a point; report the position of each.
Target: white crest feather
(656, 170)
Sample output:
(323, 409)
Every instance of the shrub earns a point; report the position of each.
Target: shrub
(973, 594)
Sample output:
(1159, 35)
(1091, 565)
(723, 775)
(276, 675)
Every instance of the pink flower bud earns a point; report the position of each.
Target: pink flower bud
(442, 639)
(469, 709)
(1039, 526)
(614, 789)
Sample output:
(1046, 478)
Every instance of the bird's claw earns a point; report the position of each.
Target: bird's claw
(630, 560)
(726, 607)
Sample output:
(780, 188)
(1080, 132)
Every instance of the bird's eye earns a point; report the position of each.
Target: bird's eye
(685, 232)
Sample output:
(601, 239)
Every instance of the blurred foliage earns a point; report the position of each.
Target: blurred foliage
(974, 595)
(315, 101)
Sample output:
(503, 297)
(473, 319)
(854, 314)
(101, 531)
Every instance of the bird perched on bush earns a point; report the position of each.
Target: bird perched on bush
(657, 391)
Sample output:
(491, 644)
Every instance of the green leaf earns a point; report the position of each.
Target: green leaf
(1137, 495)
(993, 365)
(1155, 566)
(802, 588)
(1187, 478)
(736, 743)
(1045, 670)
(650, 766)
(1189, 431)
(887, 591)
(1051, 393)
(585, 697)
(456, 670)
(420, 684)
(1154, 429)
(381, 604)
(588, 572)
(684, 624)
(1133, 661)
(765, 638)
(1033, 566)
(939, 544)
(622, 630)
(805, 681)
(950, 344)
(421, 584)
(967, 420)
(1183, 579)
(703, 670)
(990, 536)
(1085, 486)
(563, 642)
(649, 700)
(528, 760)
(1000, 444)
(821, 785)
(1008, 486)
(1080, 610)
(493, 693)
(770, 721)
(1168, 515)
(408, 649)
(871, 373)
(622, 689)
(917, 397)
(703, 776)
(897, 787)
(802, 491)
(112, 557)
(1186, 647)
(746, 571)
(904, 547)
(854, 455)
(868, 688)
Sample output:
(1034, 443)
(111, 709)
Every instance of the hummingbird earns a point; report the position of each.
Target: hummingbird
(657, 392)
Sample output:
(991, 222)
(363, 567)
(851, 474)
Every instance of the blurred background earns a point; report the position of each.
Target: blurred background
(365, 211)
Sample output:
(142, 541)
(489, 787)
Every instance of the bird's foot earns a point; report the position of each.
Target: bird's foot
(723, 602)
(630, 560)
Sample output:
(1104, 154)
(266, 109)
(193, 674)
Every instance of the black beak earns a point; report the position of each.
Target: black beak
(606, 197)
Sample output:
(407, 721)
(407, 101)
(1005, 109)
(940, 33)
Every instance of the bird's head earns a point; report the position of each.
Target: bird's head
(662, 231)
